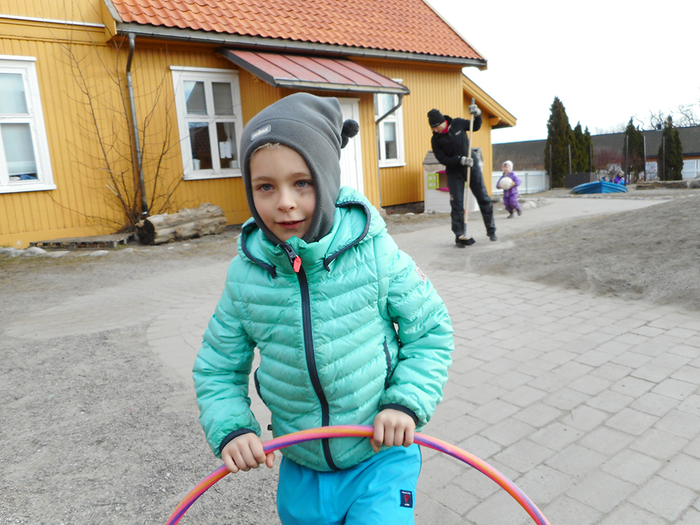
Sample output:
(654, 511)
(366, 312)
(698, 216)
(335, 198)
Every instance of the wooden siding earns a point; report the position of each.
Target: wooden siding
(85, 11)
(368, 136)
(83, 203)
(482, 139)
(68, 208)
(154, 64)
(431, 86)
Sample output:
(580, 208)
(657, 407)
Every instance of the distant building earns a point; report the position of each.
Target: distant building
(72, 105)
(529, 155)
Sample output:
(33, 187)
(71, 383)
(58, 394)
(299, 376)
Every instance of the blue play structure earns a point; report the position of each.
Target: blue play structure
(599, 187)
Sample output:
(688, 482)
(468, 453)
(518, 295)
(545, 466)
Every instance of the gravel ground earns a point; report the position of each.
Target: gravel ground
(92, 428)
(651, 254)
(95, 430)
(92, 433)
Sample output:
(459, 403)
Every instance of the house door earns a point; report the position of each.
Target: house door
(351, 155)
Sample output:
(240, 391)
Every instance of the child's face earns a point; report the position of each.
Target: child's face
(283, 191)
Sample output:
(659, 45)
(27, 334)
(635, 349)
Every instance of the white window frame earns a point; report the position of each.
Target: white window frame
(206, 75)
(691, 169)
(397, 118)
(26, 66)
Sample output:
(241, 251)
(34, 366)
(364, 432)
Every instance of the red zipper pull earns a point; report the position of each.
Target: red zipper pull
(293, 257)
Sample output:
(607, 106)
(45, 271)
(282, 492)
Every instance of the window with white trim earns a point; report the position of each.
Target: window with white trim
(208, 105)
(25, 164)
(390, 132)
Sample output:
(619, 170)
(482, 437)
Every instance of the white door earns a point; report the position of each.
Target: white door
(351, 155)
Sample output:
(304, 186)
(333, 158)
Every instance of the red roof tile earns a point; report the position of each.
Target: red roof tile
(408, 26)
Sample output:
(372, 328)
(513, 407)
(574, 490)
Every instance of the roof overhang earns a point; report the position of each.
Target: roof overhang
(498, 116)
(277, 44)
(312, 72)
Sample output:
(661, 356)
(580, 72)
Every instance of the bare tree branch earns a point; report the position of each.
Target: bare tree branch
(105, 122)
(687, 116)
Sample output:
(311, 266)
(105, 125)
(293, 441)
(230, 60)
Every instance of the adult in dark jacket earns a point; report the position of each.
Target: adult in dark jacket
(450, 144)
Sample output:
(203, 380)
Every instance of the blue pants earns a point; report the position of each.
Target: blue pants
(379, 491)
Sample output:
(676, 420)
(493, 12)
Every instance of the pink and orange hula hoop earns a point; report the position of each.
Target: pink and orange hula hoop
(367, 431)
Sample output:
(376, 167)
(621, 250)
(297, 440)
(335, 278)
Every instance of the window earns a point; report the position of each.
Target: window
(691, 169)
(24, 151)
(209, 118)
(390, 132)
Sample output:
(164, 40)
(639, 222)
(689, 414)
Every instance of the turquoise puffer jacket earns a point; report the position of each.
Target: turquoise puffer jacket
(356, 329)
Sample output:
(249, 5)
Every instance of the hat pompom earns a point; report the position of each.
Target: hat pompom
(350, 129)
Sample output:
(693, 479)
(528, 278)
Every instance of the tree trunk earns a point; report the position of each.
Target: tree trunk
(185, 224)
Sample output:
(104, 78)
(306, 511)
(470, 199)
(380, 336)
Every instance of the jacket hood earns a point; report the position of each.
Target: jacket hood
(314, 128)
(355, 221)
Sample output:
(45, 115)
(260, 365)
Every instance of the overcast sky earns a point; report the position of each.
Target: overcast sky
(606, 60)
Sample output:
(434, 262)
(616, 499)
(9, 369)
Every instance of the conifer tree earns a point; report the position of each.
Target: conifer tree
(579, 151)
(670, 155)
(590, 151)
(559, 137)
(633, 151)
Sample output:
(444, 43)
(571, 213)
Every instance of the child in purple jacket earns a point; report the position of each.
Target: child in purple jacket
(509, 182)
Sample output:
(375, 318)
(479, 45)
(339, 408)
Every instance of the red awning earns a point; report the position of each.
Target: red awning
(311, 72)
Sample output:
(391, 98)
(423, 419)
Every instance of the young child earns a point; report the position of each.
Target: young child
(349, 330)
(510, 193)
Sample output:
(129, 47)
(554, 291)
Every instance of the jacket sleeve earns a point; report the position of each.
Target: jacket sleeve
(426, 340)
(477, 123)
(464, 123)
(221, 374)
(441, 155)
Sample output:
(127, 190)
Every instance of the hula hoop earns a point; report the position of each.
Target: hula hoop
(367, 431)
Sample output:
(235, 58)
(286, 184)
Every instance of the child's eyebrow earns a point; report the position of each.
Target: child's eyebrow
(259, 178)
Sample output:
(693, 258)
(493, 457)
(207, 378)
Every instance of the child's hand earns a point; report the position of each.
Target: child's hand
(246, 452)
(392, 428)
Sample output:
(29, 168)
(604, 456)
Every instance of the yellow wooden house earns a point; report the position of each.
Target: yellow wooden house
(111, 110)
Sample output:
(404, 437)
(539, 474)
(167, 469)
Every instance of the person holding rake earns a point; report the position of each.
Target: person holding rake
(451, 146)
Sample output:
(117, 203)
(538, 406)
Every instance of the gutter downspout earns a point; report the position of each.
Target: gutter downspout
(137, 142)
(376, 123)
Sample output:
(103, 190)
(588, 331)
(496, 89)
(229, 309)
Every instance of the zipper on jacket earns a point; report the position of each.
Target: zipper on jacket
(295, 261)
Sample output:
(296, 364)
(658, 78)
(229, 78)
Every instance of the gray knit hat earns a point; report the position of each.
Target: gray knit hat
(313, 127)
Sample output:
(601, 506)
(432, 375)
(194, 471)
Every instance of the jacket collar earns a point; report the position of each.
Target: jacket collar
(354, 221)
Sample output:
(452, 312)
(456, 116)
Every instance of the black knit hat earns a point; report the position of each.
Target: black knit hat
(435, 118)
(313, 127)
